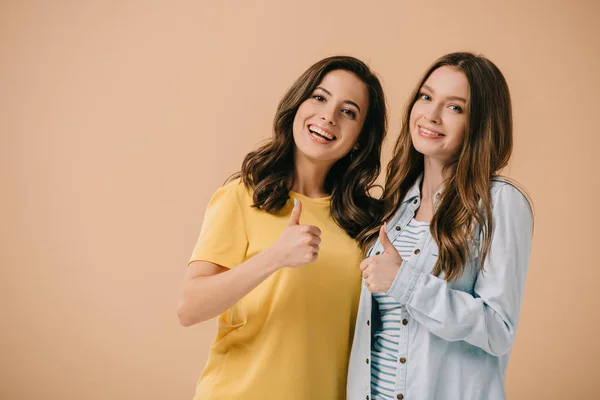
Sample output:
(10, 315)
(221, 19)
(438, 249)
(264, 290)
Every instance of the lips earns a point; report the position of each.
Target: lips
(428, 132)
(321, 134)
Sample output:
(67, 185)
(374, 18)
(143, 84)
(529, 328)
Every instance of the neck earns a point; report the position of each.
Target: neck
(309, 177)
(433, 177)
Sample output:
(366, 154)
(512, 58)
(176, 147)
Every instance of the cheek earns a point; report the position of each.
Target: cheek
(297, 122)
(458, 136)
(300, 117)
(350, 133)
(412, 128)
(353, 129)
(306, 109)
(461, 127)
(414, 116)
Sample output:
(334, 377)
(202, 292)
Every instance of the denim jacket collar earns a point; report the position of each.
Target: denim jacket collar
(415, 192)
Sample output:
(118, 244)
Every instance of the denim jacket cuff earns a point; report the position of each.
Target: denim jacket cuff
(404, 284)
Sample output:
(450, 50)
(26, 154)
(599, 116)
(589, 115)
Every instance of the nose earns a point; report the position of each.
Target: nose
(433, 113)
(328, 115)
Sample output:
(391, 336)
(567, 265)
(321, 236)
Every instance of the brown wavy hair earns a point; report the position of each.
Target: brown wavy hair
(268, 171)
(465, 202)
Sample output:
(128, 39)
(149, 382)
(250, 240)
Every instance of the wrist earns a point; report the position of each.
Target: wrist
(273, 259)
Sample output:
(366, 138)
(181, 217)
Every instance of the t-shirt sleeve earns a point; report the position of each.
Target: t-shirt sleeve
(223, 239)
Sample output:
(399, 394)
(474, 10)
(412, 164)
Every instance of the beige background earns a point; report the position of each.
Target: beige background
(118, 120)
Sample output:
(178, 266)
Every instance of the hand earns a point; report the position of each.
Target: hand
(380, 271)
(298, 245)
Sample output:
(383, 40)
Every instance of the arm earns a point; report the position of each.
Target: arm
(487, 319)
(209, 289)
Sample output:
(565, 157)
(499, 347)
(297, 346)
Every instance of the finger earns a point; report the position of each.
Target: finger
(311, 256)
(313, 230)
(295, 217)
(315, 241)
(385, 240)
(364, 264)
(365, 274)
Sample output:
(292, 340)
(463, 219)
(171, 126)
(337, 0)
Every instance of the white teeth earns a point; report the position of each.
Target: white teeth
(319, 138)
(427, 131)
(321, 132)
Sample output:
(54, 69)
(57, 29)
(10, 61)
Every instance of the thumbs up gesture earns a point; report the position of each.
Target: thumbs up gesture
(380, 271)
(298, 245)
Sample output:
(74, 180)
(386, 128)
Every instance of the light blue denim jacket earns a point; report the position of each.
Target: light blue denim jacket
(456, 336)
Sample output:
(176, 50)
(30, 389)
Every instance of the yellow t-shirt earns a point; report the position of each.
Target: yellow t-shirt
(290, 337)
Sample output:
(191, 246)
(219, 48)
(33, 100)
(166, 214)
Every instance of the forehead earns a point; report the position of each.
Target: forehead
(345, 85)
(449, 81)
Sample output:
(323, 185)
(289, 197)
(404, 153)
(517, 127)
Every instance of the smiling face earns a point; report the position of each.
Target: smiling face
(328, 123)
(439, 117)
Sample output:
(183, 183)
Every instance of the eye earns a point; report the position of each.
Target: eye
(349, 112)
(424, 96)
(455, 108)
(319, 98)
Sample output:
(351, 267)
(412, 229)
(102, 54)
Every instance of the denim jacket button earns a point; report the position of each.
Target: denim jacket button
(402, 360)
(398, 228)
(404, 321)
(417, 251)
(367, 360)
(368, 322)
(400, 396)
(377, 253)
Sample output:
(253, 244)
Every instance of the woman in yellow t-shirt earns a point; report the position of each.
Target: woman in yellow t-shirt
(278, 254)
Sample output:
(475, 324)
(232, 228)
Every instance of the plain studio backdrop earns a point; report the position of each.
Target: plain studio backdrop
(118, 120)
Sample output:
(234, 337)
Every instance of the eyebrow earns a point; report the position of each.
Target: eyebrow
(449, 97)
(345, 101)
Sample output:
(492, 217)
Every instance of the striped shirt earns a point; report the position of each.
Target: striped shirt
(384, 354)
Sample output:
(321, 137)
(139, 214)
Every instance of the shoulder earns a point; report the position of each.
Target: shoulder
(233, 192)
(509, 194)
(503, 187)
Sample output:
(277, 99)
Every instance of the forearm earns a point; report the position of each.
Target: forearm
(488, 316)
(455, 315)
(205, 297)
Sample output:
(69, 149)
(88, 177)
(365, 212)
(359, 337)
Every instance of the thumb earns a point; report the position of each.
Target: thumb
(295, 217)
(385, 240)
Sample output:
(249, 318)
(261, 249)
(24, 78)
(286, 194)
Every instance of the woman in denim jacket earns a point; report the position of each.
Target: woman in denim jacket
(443, 285)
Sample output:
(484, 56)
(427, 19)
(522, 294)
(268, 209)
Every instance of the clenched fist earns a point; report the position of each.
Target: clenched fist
(380, 271)
(298, 245)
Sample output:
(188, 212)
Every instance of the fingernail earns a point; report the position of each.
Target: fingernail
(295, 202)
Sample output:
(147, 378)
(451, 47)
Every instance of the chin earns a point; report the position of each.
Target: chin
(315, 156)
(321, 158)
(424, 149)
(433, 154)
